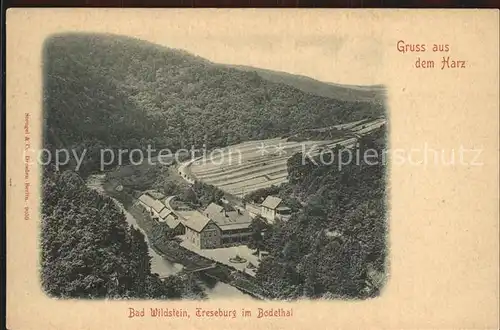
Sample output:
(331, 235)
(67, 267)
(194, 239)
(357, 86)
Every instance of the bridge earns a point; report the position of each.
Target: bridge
(199, 268)
(195, 269)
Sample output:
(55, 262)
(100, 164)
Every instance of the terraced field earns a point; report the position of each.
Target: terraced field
(245, 167)
(248, 166)
(366, 128)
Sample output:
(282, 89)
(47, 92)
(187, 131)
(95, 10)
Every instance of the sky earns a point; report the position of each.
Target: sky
(326, 58)
(340, 47)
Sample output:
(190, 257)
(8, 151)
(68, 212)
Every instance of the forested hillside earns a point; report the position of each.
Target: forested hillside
(112, 91)
(89, 251)
(373, 94)
(336, 246)
(104, 91)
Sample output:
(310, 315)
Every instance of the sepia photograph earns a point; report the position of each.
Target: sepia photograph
(170, 176)
(252, 169)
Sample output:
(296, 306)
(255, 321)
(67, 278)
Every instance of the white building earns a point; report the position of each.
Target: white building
(152, 205)
(273, 208)
(159, 212)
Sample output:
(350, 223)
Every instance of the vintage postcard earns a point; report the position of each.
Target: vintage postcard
(240, 169)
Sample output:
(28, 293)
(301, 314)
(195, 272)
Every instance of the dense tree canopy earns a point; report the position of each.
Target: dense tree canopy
(108, 92)
(89, 250)
(105, 91)
(336, 245)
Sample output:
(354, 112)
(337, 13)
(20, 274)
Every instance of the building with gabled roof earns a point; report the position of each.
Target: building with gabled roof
(216, 227)
(271, 202)
(194, 220)
(234, 224)
(201, 231)
(151, 204)
(169, 217)
(159, 212)
(165, 212)
(175, 224)
(273, 208)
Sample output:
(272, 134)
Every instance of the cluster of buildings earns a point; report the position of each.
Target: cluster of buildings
(216, 226)
(156, 206)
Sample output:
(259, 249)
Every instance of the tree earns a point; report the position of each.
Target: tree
(335, 245)
(297, 170)
(88, 249)
(188, 195)
(120, 92)
(258, 228)
(115, 92)
(170, 188)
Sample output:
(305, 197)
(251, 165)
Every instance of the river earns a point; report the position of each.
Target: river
(162, 266)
